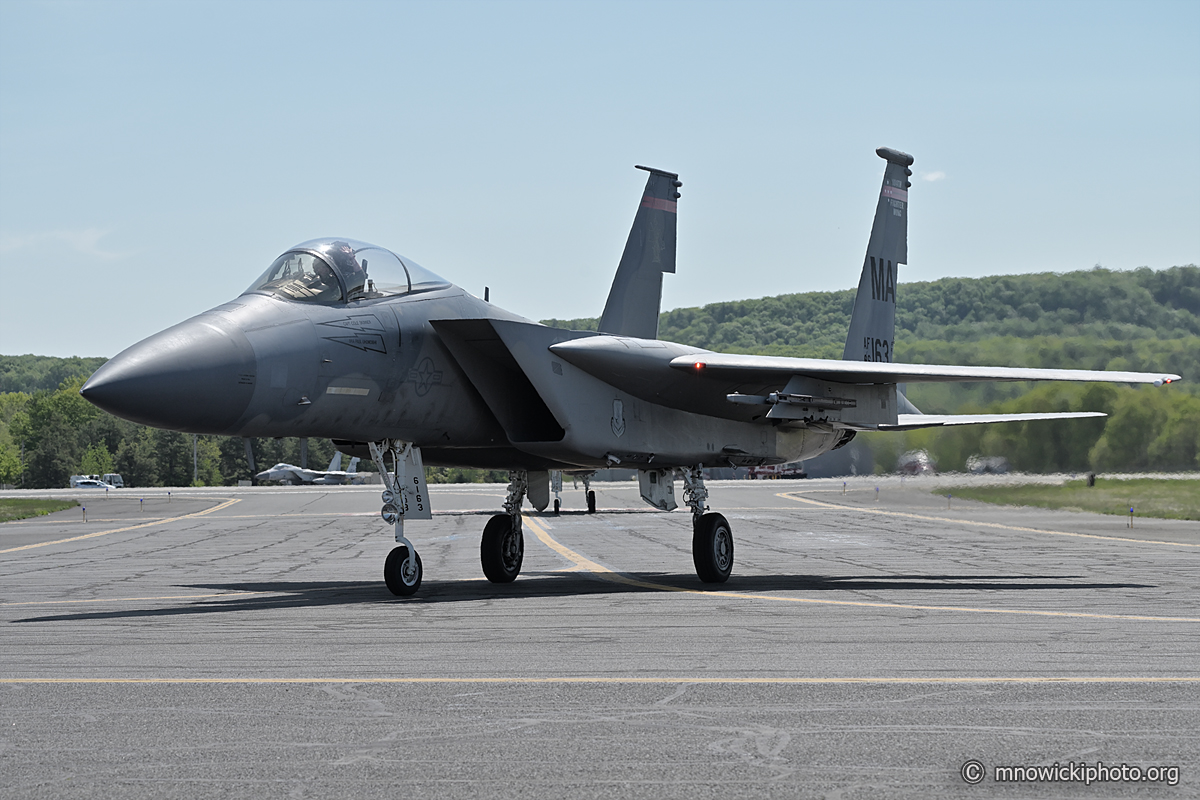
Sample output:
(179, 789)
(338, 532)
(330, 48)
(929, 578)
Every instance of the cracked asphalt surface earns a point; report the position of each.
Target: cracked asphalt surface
(241, 642)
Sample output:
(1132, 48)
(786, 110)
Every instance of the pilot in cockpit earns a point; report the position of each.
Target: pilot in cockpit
(353, 273)
(324, 283)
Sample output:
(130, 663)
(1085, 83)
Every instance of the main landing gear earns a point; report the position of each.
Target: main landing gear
(502, 548)
(712, 538)
(589, 495)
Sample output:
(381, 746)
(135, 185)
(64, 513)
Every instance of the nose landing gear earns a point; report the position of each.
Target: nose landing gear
(405, 495)
(402, 571)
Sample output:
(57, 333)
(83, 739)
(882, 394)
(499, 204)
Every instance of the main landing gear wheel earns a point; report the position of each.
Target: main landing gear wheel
(591, 500)
(712, 548)
(557, 506)
(402, 573)
(502, 549)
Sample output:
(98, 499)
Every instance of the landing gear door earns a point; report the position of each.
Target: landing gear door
(414, 493)
(658, 488)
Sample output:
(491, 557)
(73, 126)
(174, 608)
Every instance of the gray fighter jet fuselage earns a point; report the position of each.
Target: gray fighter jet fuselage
(333, 475)
(348, 341)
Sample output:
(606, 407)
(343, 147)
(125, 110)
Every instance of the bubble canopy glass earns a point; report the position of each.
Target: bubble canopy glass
(342, 270)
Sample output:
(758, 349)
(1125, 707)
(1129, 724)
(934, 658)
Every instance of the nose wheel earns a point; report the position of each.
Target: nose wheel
(402, 571)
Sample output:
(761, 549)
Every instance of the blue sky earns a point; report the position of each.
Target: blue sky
(155, 157)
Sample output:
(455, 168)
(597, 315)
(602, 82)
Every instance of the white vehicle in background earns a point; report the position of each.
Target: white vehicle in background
(90, 483)
(114, 480)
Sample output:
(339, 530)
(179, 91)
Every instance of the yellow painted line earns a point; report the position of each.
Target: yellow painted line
(607, 574)
(619, 680)
(226, 504)
(881, 512)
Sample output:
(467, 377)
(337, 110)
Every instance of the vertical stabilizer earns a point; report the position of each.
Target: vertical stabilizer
(633, 302)
(336, 464)
(873, 323)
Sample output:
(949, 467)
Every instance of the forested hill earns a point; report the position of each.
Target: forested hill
(42, 373)
(1099, 304)
(1098, 319)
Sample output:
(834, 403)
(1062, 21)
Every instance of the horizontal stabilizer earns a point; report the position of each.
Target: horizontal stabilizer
(911, 422)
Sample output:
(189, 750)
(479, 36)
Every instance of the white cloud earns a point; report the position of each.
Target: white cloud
(933, 176)
(85, 241)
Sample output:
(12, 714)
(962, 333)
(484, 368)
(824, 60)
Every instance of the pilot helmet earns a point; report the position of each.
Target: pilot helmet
(342, 255)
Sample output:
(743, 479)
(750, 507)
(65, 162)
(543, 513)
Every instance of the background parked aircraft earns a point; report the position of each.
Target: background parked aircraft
(333, 475)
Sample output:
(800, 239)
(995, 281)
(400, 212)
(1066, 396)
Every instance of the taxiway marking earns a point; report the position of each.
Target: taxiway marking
(228, 502)
(586, 564)
(1000, 525)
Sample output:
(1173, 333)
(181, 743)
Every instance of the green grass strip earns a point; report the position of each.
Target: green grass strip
(20, 508)
(1149, 497)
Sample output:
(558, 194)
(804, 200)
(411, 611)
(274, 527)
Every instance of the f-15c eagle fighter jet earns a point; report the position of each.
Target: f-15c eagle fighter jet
(352, 342)
(332, 476)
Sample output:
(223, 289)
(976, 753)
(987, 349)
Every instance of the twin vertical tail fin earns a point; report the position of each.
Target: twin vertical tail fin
(873, 323)
(636, 294)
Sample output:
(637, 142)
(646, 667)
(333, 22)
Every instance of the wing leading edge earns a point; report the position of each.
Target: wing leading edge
(911, 422)
(767, 368)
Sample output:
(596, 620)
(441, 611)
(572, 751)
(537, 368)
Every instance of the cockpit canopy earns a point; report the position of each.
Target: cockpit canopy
(340, 271)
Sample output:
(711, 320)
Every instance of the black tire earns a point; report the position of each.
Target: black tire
(502, 549)
(712, 548)
(557, 506)
(402, 577)
(591, 500)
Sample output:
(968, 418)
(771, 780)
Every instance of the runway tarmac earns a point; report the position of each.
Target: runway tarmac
(242, 643)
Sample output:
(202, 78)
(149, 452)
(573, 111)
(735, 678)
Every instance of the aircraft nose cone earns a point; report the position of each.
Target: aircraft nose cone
(196, 377)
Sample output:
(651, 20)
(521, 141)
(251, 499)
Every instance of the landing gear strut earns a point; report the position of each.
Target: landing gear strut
(502, 548)
(403, 494)
(712, 538)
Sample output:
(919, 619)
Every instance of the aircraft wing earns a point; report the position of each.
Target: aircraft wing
(844, 394)
(765, 368)
(911, 422)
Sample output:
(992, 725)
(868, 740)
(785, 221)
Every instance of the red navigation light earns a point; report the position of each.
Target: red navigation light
(699, 365)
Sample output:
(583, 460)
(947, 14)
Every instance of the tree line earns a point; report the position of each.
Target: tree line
(48, 436)
(1097, 304)
(1141, 320)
